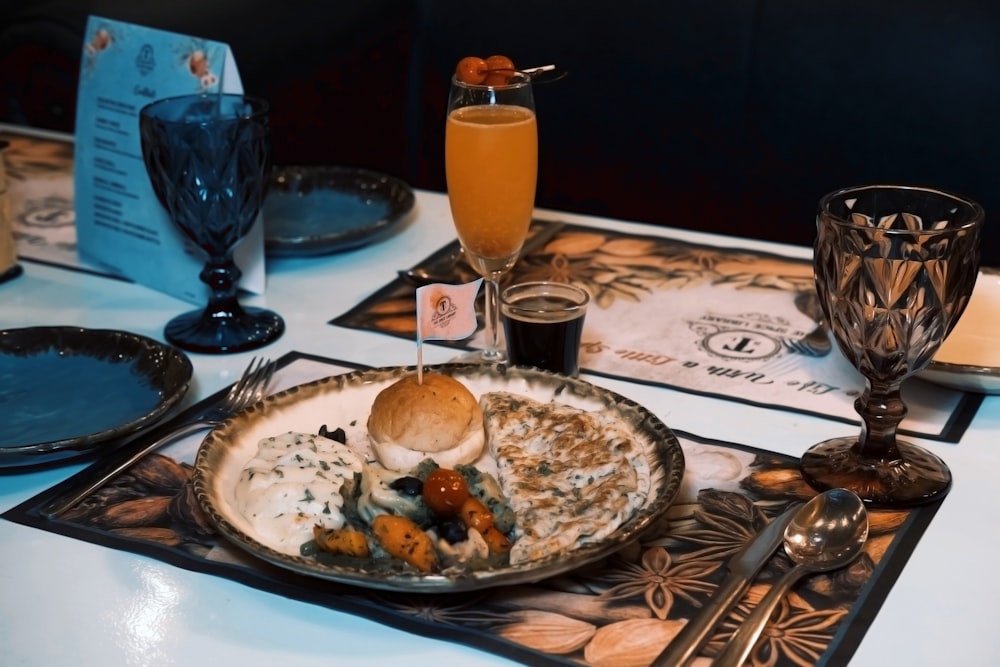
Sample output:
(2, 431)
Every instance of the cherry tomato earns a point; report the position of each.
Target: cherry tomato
(499, 70)
(471, 70)
(445, 491)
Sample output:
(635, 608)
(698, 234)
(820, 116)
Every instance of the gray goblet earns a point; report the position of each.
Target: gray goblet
(895, 267)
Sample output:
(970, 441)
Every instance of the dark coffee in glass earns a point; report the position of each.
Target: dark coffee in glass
(543, 325)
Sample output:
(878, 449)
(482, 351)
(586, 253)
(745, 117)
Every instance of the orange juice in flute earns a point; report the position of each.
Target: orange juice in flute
(491, 165)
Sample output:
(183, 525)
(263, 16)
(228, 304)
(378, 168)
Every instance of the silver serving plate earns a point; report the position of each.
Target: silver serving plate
(344, 401)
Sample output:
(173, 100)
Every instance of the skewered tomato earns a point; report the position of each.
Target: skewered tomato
(472, 70)
(445, 491)
(499, 70)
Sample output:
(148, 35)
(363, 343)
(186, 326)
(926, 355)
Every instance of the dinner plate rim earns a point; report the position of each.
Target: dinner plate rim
(979, 378)
(965, 377)
(663, 450)
(171, 383)
(397, 192)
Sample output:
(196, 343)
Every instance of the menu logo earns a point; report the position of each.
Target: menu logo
(744, 336)
(145, 62)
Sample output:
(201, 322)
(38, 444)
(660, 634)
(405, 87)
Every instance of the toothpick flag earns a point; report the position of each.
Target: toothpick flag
(445, 312)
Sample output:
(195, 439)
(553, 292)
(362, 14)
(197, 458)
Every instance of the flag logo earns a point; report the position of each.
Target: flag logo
(447, 312)
(444, 311)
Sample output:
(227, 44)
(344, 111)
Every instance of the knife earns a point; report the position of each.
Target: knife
(743, 567)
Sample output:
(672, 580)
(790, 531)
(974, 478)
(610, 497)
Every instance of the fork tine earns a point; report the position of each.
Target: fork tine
(243, 389)
(237, 387)
(260, 386)
(255, 385)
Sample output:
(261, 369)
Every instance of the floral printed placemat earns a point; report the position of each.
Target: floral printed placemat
(718, 321)
(40, 191)
(620, 611)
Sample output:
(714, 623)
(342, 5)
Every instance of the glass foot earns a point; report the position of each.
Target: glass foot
(13, 272)
(481, 357)
(915, 478)
(220, 333)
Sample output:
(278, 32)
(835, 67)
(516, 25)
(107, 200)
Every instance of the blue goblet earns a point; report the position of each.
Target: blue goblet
(208, 158)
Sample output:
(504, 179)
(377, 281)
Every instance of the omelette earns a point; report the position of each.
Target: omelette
(572, 476)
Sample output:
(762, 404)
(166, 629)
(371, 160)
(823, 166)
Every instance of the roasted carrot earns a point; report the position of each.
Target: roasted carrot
(346, 541)
(496, 541)
(404, 539)
(478, 516)
(475, 514)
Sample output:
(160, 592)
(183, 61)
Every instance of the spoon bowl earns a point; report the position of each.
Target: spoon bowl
(826, 533)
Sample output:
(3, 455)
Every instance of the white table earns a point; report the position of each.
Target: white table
(65, 601)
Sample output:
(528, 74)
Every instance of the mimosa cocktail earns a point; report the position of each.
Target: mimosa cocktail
(491, 165)
(491, 153)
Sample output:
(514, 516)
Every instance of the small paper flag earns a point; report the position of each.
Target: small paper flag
(446, 312)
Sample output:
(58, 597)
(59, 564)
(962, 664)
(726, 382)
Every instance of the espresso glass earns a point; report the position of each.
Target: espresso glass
(543, 325)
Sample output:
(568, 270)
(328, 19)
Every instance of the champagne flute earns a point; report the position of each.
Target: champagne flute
(491, 167)
(208, 158)
(895, 268)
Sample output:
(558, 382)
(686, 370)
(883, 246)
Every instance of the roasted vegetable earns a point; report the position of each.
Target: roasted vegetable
(445, 490)
(404, 539)
(478, 517)
(497, 541)
(485, 487)
(475, 514)
(345, 541)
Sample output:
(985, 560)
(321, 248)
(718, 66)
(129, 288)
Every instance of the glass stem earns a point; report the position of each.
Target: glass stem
(222, 277)
(492, 314)
(882, 409)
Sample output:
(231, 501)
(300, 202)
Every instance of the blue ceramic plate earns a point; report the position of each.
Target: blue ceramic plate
(320, 210)
(67, 391)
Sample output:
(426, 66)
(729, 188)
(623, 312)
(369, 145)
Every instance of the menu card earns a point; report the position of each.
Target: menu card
(121, 225)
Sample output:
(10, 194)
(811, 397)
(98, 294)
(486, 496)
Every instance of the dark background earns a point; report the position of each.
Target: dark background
(730, 116)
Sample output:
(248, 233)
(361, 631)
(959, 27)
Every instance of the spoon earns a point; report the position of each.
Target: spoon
(827, 533)
(455, 269)
(816, 343)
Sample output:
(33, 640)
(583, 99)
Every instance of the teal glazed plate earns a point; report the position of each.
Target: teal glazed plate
(311, 211)
(66, 392)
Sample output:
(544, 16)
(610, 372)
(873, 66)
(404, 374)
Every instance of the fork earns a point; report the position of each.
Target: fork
(249, 389)
(816, 343)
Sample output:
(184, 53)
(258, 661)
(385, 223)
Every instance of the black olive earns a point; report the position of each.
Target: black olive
(453, 530)
(337, 434)
(408, 486)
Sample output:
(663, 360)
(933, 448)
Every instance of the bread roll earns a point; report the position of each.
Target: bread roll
(438, 419)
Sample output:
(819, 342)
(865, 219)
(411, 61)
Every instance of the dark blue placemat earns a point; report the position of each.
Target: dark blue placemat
(601, 614)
